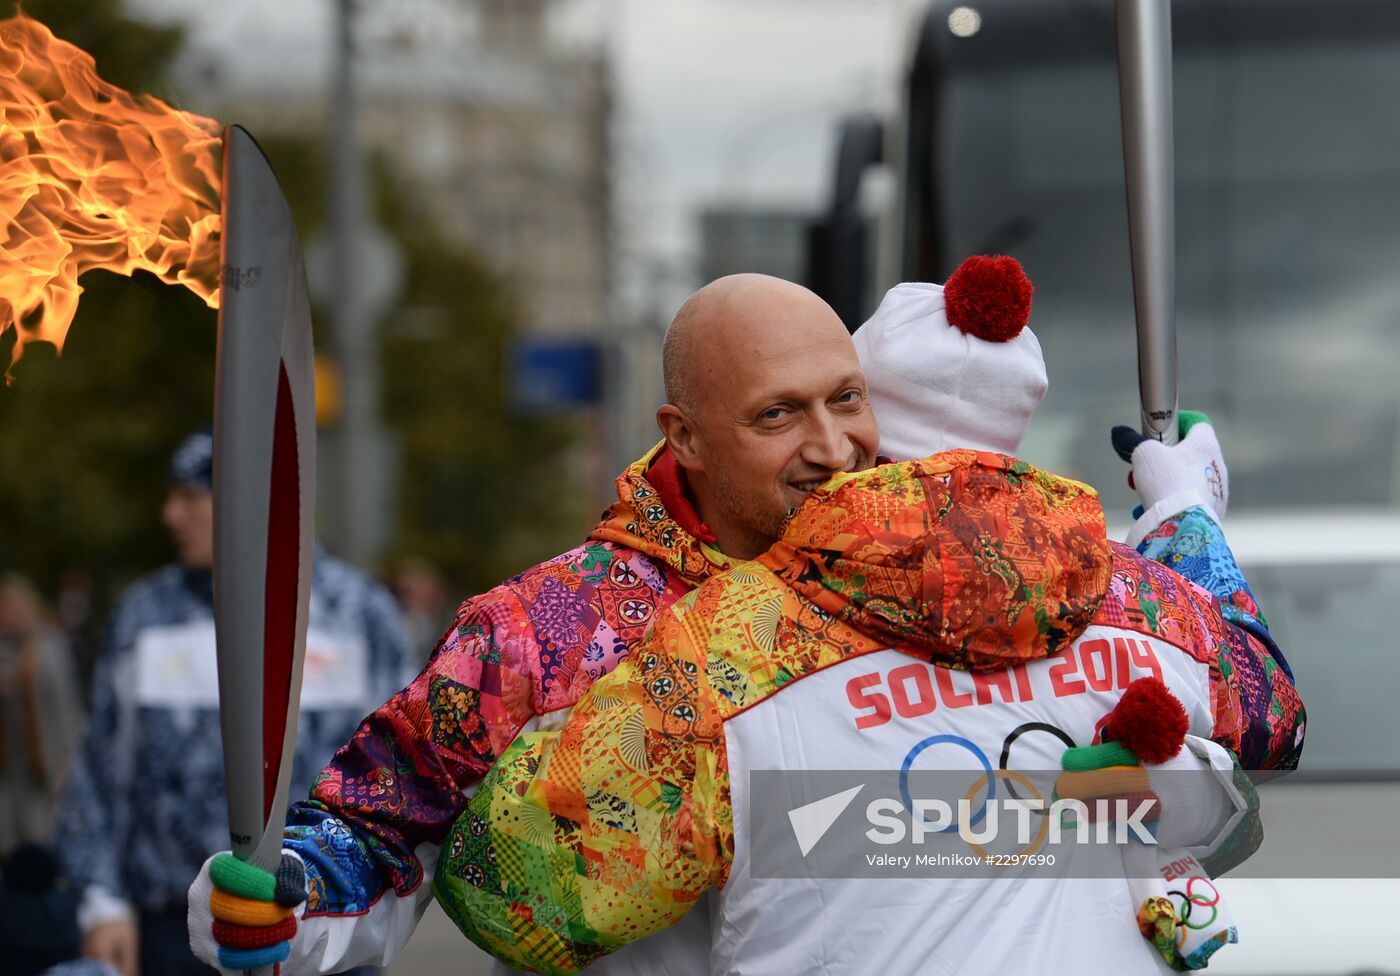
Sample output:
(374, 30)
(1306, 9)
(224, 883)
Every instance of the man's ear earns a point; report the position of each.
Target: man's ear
(682, 435)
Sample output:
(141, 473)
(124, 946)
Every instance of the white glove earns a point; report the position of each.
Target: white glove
(289, 884)
(1169, 480)
(1200, 804)
(200, 919)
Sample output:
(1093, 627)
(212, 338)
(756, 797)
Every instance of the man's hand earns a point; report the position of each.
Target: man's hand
(114, 943)
(242, 917)
(1144, 759)
(1169, 480)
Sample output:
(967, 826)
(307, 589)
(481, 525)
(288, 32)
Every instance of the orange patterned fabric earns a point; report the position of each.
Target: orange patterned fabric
(1018, 568)
(581, 841)
(531, 646)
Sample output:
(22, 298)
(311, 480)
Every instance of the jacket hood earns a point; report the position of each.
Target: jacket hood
(966, 557)
(640, 520)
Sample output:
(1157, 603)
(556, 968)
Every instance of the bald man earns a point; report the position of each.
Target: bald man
(766, 401)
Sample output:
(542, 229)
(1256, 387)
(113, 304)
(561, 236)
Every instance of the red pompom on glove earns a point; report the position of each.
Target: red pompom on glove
(1143, 756)
(1149, 721)
(1148, 725)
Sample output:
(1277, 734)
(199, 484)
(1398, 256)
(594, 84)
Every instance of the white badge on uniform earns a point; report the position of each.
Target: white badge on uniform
(335, 672)
(177, 667)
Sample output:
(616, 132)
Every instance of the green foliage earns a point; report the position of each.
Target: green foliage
(130, 54)
(85, 437)
(483, 493)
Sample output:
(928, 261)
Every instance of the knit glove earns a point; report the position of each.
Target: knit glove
(1169, 480)
(1148, 725)
(242, 917)
(1179, 910)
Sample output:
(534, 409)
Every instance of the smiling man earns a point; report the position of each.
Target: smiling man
(824, 653)
(765, 402)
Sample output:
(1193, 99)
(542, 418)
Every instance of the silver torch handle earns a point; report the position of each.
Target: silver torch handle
(1145, 90)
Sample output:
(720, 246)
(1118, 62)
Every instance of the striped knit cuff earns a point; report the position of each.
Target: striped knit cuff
(287, 887)
(241, 878)
(1097, 757)
(245, 911)
(233, 936)
(1095, 783)
(254, 958)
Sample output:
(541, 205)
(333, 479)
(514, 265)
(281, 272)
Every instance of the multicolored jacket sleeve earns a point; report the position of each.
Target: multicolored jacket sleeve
(584, 840)
(385, 802)
(1259, 715)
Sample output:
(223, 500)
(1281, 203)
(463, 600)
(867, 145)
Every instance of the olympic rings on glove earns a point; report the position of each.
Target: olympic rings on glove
(1195, 900)
(1189, 901)
(956, 740)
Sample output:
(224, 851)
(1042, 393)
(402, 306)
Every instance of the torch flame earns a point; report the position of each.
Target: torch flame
(94, 177)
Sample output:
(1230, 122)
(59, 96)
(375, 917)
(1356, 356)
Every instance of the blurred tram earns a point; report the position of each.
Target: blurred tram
(1005, 138)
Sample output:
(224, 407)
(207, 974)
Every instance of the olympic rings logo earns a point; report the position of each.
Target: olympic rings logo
(1191, 900)
(1017, 733)
(1009, 775)
(957, 740)
(986, 781)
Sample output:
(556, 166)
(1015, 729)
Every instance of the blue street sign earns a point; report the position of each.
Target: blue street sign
(555, 374)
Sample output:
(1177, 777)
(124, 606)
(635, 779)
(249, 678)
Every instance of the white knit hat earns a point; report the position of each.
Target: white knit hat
(936, 386)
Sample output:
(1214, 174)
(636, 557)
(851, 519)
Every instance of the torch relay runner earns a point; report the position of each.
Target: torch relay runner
(585, 839)
(769, 454)
(144, 803)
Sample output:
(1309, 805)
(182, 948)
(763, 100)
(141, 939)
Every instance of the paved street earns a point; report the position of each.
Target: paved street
(438, 949)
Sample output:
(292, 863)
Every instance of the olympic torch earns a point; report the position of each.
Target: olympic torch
(264, 495)
(1145, 91)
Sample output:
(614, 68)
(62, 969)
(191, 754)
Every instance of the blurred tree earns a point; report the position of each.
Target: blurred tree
(85, 437)
(130, 54)
(484, 492)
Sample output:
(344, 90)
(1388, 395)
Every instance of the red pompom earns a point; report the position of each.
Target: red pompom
(1149, 720)
(989, 297)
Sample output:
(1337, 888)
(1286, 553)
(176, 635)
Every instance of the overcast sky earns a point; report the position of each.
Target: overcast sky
(718, 99)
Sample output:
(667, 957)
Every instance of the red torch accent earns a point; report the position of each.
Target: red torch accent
(283, 566)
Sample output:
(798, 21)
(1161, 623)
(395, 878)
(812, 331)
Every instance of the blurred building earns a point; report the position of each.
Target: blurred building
(765, 240)
(500, 135)
(496, 135)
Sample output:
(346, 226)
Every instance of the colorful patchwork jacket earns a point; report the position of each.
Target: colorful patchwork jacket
(380, 810)
(820, 655)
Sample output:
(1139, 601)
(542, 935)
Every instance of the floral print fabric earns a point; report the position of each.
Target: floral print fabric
(527, 648)
(585, 839)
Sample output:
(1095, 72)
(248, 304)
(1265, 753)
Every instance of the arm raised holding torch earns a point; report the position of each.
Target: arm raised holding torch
(1169, 481)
